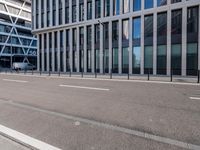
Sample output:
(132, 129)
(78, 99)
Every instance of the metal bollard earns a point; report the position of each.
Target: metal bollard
(40, 72)
(59, 72)
(82, 73)
(95, 73)
(49, 73)
(110, 73)
(148, 74)
(128, 75)
(198, 76)
(32, 71)
(171, 76)
(70, 73)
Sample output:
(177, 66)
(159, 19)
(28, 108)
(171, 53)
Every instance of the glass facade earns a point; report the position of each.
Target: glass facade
(122, 36)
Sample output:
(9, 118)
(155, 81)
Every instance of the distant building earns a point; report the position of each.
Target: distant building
(17, 44)
(122, 36)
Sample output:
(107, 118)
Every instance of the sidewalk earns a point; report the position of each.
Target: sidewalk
(7, 144)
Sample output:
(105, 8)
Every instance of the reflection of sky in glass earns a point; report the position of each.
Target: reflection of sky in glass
(136, 57)
(161, 2)
(126, 6)
(125, 29)
(148, 4)
(136, 28)
(116, 7)
(136, 5)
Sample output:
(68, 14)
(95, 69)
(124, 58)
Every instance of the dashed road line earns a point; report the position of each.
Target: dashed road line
(19, 81)
(195, 98)
(84, 87)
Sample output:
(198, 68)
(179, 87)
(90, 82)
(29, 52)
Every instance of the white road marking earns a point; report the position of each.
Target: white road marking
(141, 134)
(25, 140)
(195, 98)
(19, 81)
(84, 87)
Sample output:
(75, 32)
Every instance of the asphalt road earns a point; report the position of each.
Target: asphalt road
(83, 114)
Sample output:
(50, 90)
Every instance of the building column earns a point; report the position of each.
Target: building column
(130, 45)
(93, 9)
(85, 49)
(77, 11)
(38, 52)
(34, 15)
(93, 49)
(155, 43)
(199, 42)
(78, 49)
(111, 8)
(39, 11)
(102, 8)
(58, 51)
(47, 52)
(57, 13)
(101, 47)
(184, 40)
(64, 51)
(85, 10)
(70, 50)
(42, 51)
(70, 11)
(53, 52)
(110, 46)
(63, 12)
(45, 13)
(120, 47)
(142, 46)
(51, 12)
(169, 42)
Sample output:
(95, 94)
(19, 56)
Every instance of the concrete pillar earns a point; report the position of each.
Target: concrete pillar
(58, 51)
(40, 12)
(57, 13)
(47, 52)
(169, 42)
(53, 51)
(63, 12)
(101, 47)
(42, 51)
(120, 46)
(184, 40)
(45, 13)
(78, 49)
(199, 42)
(38, 52)
(110, 46)
(111, 7)
(70, 11)
(85, 10)
(77, 12)
(70, 50)
(85, 49)
(34, 14)
(130, 45)
(142, 45)
(51, 12)
(93, 53)
(64, 52)
(93, 9)
(155, 43)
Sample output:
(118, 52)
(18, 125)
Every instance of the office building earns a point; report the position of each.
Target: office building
(123, 36)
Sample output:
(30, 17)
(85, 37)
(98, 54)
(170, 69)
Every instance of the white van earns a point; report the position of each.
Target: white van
(23, 66)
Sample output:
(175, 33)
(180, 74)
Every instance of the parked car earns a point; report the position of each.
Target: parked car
(23, 66)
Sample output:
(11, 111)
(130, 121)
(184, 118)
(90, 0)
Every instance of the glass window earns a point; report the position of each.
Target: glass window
(60, 12)
(175, 1)
(192, 58)
(97, 9)
(125, 60)
(176, 59)
(106, 8)
(115, 60)
(136, 28)
(89, 40)
(148, 4)
(161, 59)
(81, 12)
(66, 14)
(161, 2)
(97, 60)
(125, 29)
(136, 59)
(115, 31)
(136, 5)
(116, 7)
(74, 13)
(148, 59)
(148, 30)
(89, 10)
(126, 4)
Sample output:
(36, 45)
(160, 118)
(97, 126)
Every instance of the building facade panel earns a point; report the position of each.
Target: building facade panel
(17, 44)
(136, 37)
